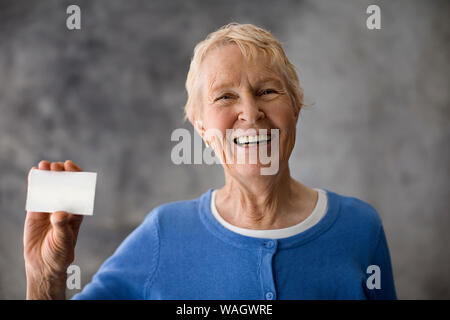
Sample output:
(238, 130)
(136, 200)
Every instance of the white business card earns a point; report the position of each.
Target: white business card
(50, 191)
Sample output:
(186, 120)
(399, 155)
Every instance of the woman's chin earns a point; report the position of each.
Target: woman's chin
(249, 170)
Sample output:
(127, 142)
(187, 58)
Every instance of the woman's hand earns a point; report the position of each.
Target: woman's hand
(49, 245)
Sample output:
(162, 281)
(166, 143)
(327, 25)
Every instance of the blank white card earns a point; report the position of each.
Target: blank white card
(50, 191)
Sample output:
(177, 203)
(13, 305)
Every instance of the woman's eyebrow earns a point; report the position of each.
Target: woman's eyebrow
(220, 86)
(216, 84)
(273, 80)
(215, 87)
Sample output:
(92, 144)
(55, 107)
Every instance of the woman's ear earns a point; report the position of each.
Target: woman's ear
(297, 112)
(198, 125)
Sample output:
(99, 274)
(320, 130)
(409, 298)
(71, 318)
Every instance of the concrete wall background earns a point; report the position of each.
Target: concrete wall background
(109, 96)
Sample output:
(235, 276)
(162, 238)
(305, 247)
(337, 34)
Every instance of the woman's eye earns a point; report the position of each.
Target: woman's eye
(267, 91)
(224, 97)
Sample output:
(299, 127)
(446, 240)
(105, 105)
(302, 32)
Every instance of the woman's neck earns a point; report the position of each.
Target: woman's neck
(265, 202)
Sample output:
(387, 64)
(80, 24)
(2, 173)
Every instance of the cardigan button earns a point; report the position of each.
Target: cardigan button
(269, 295)
(269, 244)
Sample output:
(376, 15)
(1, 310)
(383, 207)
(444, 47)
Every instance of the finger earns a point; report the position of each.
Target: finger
(59, 221)
(59, 218)
(75, 220)
(75, 223)
(70, 166)
(35, 215)
(57, 166)
(34, 221)
(44, 165)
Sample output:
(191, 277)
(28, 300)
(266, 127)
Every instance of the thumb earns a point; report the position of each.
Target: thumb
(60, 224)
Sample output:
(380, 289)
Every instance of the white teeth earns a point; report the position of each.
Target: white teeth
(243, 139)
(252, 139)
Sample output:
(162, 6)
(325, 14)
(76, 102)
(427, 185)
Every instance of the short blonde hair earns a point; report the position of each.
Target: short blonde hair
(251, 40)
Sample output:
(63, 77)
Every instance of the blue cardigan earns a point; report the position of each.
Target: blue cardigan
(181, 251)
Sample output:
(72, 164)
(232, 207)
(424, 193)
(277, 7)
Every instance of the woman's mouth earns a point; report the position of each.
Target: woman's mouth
(252, 139)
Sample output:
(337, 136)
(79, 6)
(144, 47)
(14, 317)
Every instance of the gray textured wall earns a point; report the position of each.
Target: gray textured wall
(109, 96)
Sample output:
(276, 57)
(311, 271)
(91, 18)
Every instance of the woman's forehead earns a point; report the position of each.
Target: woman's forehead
(255, 78)
(230, 57)
(225, 72)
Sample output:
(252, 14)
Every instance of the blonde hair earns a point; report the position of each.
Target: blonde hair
(251, 40)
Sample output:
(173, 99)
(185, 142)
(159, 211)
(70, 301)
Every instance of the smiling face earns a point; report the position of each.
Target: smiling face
(244, 97)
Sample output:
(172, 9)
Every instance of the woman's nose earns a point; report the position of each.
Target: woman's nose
(249, 111)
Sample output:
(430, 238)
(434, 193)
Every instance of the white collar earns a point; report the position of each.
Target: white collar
(315, 216)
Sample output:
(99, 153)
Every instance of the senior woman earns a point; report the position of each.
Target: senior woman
(261, 236)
